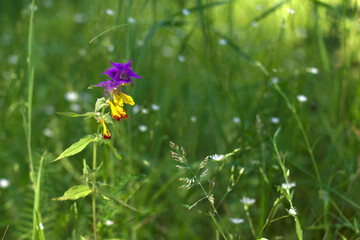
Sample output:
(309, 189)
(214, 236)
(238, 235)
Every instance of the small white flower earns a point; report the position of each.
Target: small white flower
(49, 109)
(217, 157)
(80, 18)
(13, 59)
(41, 226)
(274, 80)
(247, 201)
(193, 119)
(181, 58)
(144, 111)
(48, 132)
(110, 12)
(71, 96)
(301, 98)
(136, 109)
(4, 183)
(222, 41)
(131, 20)
(185, 11)
(109, 222)
(275, 120)
(155, 107)
(255, 24)
(236, 119)
(142, 128)
(288, 186)
(291, 11)
(75, 107)
(236, 220)
(111, 48)
(292, 211)
(312, 70)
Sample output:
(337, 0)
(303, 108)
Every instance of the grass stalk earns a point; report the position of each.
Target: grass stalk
(31, 72)
(94, 191)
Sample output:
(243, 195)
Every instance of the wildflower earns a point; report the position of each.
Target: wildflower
(181, 58)
(131, 20)
(236, 119)
(222, 41)
(142, 128)
(274, 80)
(275, 120)
(109, 12)
(109, 222)
(288, 186)
(185, 11)
(301, 98)
(217, 157)
(312, 70)
(71, 96)
(4, 183)
(291, 11)
(117, 101)
(247, 201)
(120, 74)
(193, 119)
(144, 111)
(236, 220)
(155, 107)
(292, 211)
(41, 226)
(106, 133)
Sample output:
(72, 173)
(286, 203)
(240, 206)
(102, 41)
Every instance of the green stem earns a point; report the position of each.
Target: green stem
(307, 143)
(250, 221)
(31, 72)
(94, 191)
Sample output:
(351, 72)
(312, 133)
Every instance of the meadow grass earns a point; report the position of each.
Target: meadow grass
(270, 85)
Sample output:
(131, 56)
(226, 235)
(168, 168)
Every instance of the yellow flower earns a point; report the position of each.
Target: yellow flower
(106, 133)
(117, 110)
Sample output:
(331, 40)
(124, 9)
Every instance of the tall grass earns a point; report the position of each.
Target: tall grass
(222, 75)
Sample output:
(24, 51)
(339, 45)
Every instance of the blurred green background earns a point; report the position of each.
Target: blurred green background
(209, 69)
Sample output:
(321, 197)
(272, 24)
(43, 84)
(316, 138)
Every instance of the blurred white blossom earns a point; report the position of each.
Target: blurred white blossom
(301, 98)
(4, 183)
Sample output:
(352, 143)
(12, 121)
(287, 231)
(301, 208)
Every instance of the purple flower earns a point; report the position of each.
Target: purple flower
(121, 73)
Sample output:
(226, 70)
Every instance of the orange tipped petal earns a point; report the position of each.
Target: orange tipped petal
(106, 133)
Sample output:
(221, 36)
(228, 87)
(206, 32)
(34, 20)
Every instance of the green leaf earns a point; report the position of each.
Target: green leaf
(298, 228)
(76, 147)
(100, 103)
(74, 193)
(71, 114)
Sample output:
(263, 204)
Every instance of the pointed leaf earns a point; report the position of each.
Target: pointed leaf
(72, 114)
(76, 147)
(74, 193)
